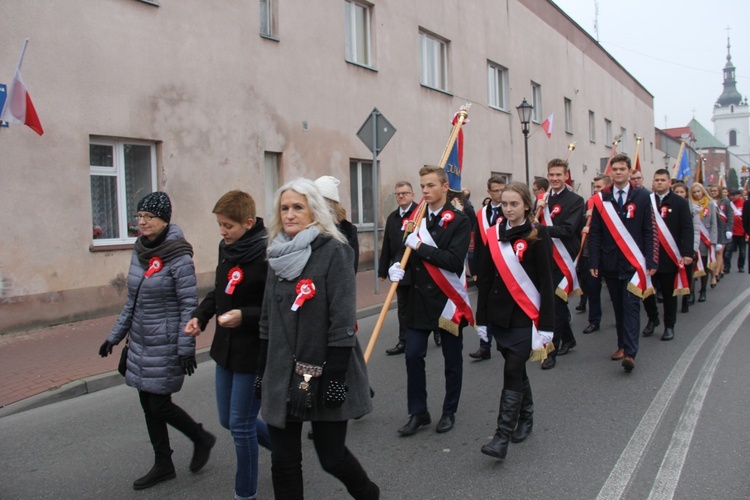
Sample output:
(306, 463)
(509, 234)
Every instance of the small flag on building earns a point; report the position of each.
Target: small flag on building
(547, 125)
(18, 106)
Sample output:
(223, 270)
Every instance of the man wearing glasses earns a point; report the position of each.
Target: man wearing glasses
(393, 244)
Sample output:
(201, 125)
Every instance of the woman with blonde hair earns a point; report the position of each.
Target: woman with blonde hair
(708, 229)
(318, 373)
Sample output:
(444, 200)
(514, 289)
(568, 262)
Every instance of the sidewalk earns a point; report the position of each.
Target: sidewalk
(51, 364)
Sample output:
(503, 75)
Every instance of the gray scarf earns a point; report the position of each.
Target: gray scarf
(288, 256)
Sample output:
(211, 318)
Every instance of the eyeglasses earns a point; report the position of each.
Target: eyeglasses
(402, 193)
(147, 218)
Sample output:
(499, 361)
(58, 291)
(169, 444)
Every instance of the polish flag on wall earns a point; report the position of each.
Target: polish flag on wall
(547, 125)
(18, 106)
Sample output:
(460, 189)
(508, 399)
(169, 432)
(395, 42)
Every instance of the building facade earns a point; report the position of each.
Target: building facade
(197, 99)
(731, 119)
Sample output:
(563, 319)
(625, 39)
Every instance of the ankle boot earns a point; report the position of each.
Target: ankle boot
(510, 404)
(201, 449)
(525, 416)
(685, 306)
(354, 477)
(162, 470)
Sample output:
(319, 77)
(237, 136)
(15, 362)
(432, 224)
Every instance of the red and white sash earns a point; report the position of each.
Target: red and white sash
(681, 282)
(706, 240)
(699, 271)
(484, 224)
(452, 285)
(640, 283)
(569, 284)
(523, 291)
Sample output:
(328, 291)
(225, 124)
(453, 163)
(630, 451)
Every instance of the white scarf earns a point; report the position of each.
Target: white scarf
(288, 256)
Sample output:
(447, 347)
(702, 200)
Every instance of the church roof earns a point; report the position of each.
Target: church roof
(703, 138)
(730, 95)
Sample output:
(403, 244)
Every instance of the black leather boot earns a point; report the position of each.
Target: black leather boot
(162, 470)
(354, 477)
(685, 305)
(202, 449)
(510, 404)
(525, 416)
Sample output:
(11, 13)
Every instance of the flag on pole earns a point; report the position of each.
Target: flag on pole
(455, 162)
(684, 172)
(637, 159)
(18, 106)
(698, 177)
(608, 168)
(547, 125)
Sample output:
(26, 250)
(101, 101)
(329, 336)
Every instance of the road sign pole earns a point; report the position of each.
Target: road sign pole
(375, 198)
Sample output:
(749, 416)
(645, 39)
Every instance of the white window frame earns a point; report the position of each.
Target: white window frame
(536, 101)
(433, 61)
(357, 194)
(608, 133)
(267, 26)
(117, 170)
(568, 107)
(506, 176)
(351, 7)
(271, 176)
(592, 127)
(497, 86)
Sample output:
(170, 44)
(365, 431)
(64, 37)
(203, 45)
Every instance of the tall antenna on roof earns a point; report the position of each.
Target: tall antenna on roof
(596, 20)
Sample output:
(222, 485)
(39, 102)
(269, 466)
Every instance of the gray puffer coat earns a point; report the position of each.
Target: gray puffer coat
(156, 320)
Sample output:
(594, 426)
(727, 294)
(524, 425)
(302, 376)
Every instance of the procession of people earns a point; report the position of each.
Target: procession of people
(286, 345)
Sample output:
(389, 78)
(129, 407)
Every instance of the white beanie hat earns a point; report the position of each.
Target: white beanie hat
(328, 187)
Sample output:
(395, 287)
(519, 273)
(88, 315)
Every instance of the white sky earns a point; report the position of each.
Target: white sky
(676, 49)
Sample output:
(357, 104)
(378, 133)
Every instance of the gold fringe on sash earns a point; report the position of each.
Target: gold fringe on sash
(541, 354)
(681, 291)
(639, 293)
(699, 273)
(448, 326)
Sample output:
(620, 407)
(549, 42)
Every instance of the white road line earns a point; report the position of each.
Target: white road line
(622, 472)
(668, 477)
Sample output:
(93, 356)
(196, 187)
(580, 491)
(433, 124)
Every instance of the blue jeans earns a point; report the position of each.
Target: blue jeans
(238, 412)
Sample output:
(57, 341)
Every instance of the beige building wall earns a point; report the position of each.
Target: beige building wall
(197, 78)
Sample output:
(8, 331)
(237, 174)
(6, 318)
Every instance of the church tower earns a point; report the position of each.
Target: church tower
(732, 118)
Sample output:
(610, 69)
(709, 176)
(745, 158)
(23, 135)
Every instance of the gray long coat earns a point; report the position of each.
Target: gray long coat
(709, 218)
(156, 321)
(328, 319)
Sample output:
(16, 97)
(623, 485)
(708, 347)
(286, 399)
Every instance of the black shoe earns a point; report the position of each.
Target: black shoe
(565, 347)
(691, 298)
(591, 328)
(548, 363)
(482, 353)
(581, 307)
(507, 420)
(741, 270)
(685, 306)
(446, 422)
(415, 422)
(668, 333)
(650, 326)
(436, 338)
(202, 450)
(162, 470)
(400, 348)
(702, 296)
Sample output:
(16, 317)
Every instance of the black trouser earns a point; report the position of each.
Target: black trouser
(330, 445)
(666, 283)
(402, 293)
(736, 245)
(159, 411)
(563, 333)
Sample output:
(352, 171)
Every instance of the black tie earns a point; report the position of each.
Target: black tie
(493, 218)
(620, 200)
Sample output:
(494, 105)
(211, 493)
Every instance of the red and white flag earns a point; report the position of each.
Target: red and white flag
(547, 125)
(18, 106)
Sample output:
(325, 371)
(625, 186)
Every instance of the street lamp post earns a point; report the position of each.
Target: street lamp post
(524, 114)
(666, 160)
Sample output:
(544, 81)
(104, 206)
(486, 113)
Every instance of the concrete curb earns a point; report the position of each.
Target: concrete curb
(107, 380)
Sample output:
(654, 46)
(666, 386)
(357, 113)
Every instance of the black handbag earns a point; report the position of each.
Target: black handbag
(303, 388)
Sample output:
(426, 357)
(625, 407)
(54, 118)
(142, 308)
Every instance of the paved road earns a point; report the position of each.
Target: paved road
(676, 427)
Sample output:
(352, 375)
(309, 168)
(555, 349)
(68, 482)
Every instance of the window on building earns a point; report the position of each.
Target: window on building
(497, 83)
(568, 106)
(623, 140)
(536, 101)
(608, 133)
(505, 176)
(433, 55)
(357, 20)
(732, 137)
(121, 173)
(592, 126)
(271, 178)
(360, 185)
(268, 25)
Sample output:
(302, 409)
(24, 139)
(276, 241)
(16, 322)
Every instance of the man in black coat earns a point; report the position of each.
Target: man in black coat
(566, 214)
(393, 244)
(450, 231)
(675, 211)
(487, 217)
(606, 257)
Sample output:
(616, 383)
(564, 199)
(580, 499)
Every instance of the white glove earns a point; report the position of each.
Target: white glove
(541, 338)
(395, 273)
(719, 246)
(729, 235)
(482, 332)
(412, 241)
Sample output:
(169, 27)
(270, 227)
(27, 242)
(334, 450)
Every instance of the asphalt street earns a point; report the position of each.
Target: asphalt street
(677, 427)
